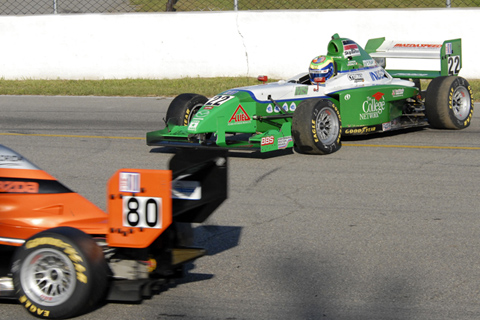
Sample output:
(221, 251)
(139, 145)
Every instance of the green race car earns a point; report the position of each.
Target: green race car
(346, 92)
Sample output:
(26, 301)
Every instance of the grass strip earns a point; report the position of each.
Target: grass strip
(123, 87)
(139, 87)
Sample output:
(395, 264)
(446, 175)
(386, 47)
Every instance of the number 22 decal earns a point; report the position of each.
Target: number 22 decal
(218, 100)
(142, 212)
(453, 65)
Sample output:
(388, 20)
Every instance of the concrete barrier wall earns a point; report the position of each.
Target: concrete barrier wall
(279, 44)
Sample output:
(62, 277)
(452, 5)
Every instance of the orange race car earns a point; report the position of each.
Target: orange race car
(61, 254)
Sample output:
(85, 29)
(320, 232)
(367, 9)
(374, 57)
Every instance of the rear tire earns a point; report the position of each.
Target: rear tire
(182, 109)
(316, 127)
(59, 273)
(449, 103)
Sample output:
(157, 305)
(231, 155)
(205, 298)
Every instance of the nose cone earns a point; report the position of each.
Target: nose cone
(212, 115)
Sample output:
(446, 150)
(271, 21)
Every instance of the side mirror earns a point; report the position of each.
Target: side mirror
(264, 79)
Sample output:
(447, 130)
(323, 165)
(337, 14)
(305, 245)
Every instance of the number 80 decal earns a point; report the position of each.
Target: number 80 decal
(142, 212)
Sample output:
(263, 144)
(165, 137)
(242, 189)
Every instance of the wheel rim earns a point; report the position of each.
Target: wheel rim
(48, 277)
(461, 103)
(194, 111)
(327, 126)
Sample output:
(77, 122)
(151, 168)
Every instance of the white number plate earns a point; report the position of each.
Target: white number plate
(142, 212)
(218, 100)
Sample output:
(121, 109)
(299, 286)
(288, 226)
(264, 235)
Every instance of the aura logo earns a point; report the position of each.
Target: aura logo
(239, 116)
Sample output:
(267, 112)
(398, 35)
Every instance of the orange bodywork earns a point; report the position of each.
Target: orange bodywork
(31, 201)
(25, 211)
(140, 206)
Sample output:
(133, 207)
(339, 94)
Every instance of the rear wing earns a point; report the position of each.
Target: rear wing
(449, 54)
(199, 183)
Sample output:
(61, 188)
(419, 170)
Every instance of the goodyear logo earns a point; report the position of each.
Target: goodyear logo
(360, 130)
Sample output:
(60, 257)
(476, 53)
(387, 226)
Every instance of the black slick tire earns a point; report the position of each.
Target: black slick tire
(59, 273)
(449, 103)
(316, 127)
(183, 108)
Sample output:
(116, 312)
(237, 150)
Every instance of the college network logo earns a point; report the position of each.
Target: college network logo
(373, 106)
(239, 116)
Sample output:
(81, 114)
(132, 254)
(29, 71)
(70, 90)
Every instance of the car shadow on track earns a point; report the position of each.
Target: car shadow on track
(233, 153)
(215, 239)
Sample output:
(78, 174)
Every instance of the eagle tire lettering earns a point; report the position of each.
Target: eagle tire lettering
(183, 108)
(73, 271)
(316, 127)
(449, 103)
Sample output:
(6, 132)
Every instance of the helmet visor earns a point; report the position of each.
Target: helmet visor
(319, 74)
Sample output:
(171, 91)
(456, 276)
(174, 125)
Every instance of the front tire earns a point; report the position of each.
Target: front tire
(182, 109)
(316, 127)
(449, 103)
(59, 273)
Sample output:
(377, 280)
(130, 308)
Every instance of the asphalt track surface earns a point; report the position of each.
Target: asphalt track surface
(386, 228)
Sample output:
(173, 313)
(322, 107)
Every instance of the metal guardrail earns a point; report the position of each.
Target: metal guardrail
(36, 7)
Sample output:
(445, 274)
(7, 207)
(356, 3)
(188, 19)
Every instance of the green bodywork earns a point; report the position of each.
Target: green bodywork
(260, 117)
(450, 59)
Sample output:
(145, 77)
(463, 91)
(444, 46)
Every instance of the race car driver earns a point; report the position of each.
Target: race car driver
(321, 69)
